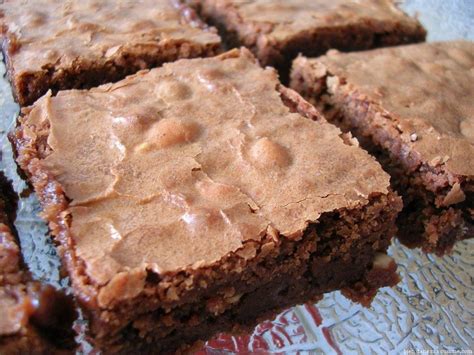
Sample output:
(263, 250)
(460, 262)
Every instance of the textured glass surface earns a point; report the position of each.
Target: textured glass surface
(431, 309)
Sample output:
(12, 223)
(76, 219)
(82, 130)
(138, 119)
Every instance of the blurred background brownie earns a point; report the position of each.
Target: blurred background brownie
(56, 45)
(35, 318)
(412, 107)
(278, 30)
(202, 197)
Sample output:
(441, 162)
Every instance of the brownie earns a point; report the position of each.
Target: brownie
(35, 318)
(56, 45)
(412, 107)
(276, 31)
(202, 197)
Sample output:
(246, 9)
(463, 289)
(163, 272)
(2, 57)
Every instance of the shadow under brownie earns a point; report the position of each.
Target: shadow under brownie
(277, 31)
(202, 197)
(55, 45)
(412, 107)
(35, 318)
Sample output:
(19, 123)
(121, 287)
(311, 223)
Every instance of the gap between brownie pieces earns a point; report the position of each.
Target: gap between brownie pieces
(434, 227)
(55, 205)
(312, 43)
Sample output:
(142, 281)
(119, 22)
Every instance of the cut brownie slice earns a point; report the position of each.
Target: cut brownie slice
(34, 318)
(413, 107)
(57, 45)
(197, 198)
(277, 30)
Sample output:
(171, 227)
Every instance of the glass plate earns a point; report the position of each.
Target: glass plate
(430, 311)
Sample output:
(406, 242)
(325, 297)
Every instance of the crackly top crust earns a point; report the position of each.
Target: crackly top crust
(427, 87)
(283, 19)
(177, 167)
(50, 33)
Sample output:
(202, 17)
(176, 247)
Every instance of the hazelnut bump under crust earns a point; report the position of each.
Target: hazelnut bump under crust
(35, 318)
(412, 107)
(203, 197)
(56, 45)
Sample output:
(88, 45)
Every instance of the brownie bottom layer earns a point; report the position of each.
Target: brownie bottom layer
(421, 223)
(264, 303)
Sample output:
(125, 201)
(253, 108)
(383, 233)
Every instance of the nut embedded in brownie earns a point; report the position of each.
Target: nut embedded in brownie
(277, 31)
(55, 45)
(202, 197)
(35, 318)
(412, 107)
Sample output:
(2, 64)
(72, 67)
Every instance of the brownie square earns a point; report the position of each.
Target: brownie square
(277, 30)
(412, 107)
(35, 318)
(56, 45)
(202, 197)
